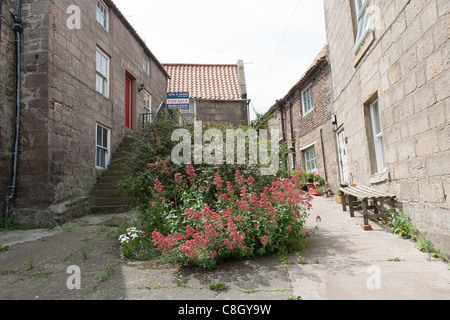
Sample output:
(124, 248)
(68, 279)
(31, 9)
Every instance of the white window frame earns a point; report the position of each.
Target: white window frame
(100, 148)
(362, 22)
(305, 151)
(378, 138)
(148, 116)
(102, 72)
(146, 65)
(307, 100)
(102, 15)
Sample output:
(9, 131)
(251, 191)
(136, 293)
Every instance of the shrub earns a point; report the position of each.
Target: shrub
(236, 223)
(203, 214)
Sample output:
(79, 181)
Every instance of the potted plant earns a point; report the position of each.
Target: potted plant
(338, 196)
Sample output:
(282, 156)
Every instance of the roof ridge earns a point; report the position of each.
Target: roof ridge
(199, 64)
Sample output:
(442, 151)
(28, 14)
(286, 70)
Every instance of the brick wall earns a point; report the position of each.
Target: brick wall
(314, 128)
(62, 106)
(406, 67)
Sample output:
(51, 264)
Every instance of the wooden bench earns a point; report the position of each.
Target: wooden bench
(362, 198)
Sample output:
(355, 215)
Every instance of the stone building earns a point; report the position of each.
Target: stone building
(304, 117)
(390, 79)
(86, 78)
(218, 92)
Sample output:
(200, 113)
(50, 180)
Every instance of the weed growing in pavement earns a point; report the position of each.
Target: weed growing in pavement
(401, 224)
(218, 286)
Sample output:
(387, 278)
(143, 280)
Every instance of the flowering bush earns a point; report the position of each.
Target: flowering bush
(135, 244)
(236, 223)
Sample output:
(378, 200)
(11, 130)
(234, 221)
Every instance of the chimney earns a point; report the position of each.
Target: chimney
(241, 79)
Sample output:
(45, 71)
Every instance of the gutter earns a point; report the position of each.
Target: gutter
(17, 28)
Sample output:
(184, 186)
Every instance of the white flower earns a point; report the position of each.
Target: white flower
(124, 238)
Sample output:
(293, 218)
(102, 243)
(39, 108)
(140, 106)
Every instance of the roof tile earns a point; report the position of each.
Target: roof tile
(204, 81)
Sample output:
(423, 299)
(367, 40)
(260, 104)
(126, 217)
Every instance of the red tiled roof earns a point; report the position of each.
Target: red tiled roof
(321, 57)
(204, 81)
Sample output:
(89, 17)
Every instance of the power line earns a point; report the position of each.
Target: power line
(279, 46)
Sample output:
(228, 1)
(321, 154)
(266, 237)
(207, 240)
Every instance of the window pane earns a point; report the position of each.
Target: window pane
(101, 14)
(105, 139)
(102, 64)
(99, 135)
(98, 61)
(310, 159)
(362, 18)
(102, 158)
(375, 111)
(99, 84)
(307, 100)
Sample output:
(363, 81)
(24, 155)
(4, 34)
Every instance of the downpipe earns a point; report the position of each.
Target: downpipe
(18, 29)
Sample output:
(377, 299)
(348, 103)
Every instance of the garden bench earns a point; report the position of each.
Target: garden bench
(362, 198)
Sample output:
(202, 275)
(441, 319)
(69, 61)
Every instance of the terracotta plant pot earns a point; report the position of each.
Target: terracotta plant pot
(338, 199)
(313, 190)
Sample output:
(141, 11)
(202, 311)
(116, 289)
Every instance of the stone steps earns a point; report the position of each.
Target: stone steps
(109, 197)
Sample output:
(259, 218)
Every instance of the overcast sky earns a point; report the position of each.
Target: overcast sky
(277, 40)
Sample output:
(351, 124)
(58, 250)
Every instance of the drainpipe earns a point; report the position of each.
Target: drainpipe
(1, 14)
(17, 28)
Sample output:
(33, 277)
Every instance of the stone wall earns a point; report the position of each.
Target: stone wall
(231, 112)
(406, 67)
(7, 99)
(62, 106)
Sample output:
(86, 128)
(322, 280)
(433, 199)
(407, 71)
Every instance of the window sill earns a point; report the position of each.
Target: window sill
(305, 114)
(380, 177)
(362, 49)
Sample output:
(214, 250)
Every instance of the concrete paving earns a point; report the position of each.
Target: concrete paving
(353, 264)
(341, 261)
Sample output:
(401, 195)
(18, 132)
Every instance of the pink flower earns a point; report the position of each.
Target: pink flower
(154, 204)
(218, 181)
(178, 178)
(289, 228)
(239, 179)
(264, 241)
(250, 180)
(307, 233)
(190, 170)
(158, 186)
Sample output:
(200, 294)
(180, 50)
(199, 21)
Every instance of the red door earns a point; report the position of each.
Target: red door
(128, 103)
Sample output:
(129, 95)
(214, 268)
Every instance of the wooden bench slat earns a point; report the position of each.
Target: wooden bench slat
(365, 192)
(379, 192)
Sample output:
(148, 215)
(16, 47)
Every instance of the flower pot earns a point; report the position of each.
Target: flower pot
(313, 190)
